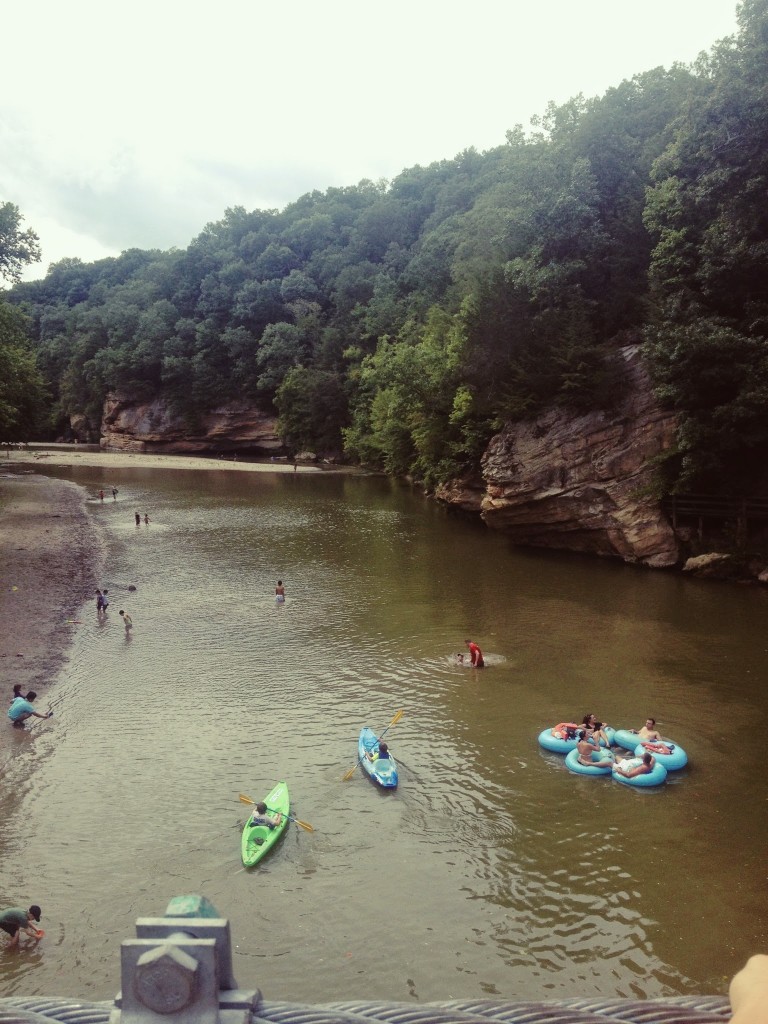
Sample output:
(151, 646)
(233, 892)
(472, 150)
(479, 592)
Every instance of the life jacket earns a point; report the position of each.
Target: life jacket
(658, 748)
(565, 731)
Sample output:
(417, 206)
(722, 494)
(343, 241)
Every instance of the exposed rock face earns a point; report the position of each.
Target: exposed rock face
(132, 426)
(580, 483)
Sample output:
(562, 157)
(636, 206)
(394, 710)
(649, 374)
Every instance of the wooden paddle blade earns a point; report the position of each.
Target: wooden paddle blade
(246, 799)
(304, 824)
(396, 719)
(348, 775)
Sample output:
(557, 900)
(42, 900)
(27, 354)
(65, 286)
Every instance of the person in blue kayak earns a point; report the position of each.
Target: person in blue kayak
(382, 754)
(22, 709)
(260, 816)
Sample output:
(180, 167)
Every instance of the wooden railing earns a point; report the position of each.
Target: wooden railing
(700, 507)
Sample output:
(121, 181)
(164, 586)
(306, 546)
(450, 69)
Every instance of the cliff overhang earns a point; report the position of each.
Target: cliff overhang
(583, 482)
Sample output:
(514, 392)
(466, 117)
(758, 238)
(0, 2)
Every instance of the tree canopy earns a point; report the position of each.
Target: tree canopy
(403, 321)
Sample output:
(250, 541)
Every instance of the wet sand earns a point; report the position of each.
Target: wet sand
(70, 456)
(49, 558)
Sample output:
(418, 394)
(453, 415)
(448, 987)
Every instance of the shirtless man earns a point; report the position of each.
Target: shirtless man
(632, 766)
(649, 734)
(649, 731)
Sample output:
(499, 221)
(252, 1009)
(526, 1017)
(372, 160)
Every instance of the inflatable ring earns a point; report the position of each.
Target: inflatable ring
(626, 738)
(675, 759)
(556, 745)
(600, 758)
(655, 777)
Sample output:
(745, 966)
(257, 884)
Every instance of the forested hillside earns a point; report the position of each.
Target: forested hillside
(402, 322)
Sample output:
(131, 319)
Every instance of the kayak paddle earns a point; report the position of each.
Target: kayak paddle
(352, 770)
(302, 824)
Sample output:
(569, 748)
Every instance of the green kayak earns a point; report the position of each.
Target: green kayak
(258, 840)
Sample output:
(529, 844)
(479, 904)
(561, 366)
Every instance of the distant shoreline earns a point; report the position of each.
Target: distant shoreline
(38, 456)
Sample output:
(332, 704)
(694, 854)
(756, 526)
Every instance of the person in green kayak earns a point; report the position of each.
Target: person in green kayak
(15, 921)
(261, 817)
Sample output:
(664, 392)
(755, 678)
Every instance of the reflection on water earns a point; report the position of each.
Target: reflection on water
(491, 870)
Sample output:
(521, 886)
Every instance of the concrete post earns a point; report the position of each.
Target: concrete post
(179, 968)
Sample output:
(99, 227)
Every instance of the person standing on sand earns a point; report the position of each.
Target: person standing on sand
(138, 518)
(127, 620)
(101, 495)
(146, 519)
(114, 494)
(14, 921)
(99, 603)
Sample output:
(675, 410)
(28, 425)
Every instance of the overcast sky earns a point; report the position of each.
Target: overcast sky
(136, 124)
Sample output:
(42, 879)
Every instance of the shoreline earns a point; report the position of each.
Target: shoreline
(50, 555)
(71, 455)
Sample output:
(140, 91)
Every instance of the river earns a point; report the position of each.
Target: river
(491, 871)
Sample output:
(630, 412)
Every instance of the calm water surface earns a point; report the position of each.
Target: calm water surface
(491, 871)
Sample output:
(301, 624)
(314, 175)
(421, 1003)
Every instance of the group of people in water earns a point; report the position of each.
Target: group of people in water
(102, 603)
(592, 737)
(476, 659)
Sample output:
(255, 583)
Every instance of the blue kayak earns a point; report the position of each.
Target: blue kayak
(382, 770)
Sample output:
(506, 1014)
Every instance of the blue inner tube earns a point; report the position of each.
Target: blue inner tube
(626, 739)
(553, 743)
(558, 746)
(655, 777)
(676, 758)
(599, 757)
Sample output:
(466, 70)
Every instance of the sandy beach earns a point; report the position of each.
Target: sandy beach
(69, 455)
(49, 558)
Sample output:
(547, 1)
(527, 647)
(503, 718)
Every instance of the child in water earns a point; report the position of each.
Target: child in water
(280, 592)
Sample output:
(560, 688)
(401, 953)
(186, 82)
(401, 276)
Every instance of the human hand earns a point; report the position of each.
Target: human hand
(749, 991)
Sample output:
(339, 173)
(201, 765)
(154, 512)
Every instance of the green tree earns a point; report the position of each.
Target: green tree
(708, 343)
(312, 405)
(23, 397)
(17, 247)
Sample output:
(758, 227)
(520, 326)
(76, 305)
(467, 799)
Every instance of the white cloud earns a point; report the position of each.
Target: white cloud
(135, 125)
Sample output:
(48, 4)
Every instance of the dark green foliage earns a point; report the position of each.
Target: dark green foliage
(709, 215)
(17, 247)
(404, 321)
(23, 399)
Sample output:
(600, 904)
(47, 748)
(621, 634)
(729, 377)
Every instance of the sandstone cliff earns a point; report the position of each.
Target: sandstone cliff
(580, 482)
(236, 427)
